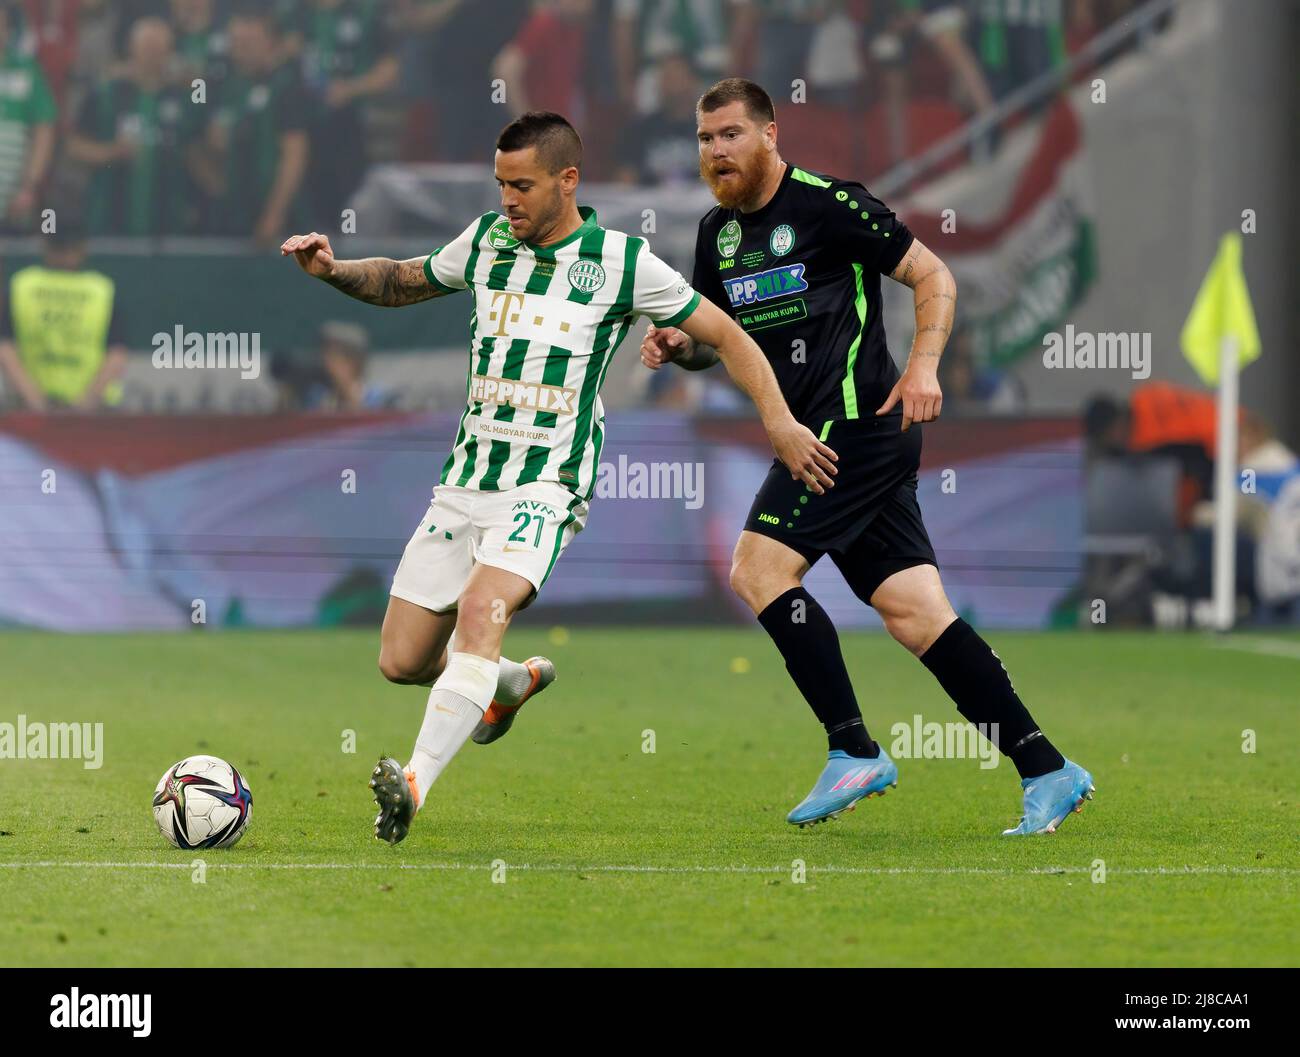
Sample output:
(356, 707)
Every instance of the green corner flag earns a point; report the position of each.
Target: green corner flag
(1221, 310)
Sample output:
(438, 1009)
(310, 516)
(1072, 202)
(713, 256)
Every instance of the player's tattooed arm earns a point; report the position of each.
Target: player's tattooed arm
(934, 293)
(381, 281)
(375, 280)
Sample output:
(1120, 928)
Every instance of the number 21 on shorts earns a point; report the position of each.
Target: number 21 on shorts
(528, 519)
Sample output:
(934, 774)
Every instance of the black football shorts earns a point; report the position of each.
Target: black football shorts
(869, 523)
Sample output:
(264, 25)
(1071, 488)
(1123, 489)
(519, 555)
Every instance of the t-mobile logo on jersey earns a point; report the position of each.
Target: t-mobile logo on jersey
(511, 314)
(506, 307)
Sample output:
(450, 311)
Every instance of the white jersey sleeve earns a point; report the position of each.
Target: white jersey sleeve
(660, 292)
(445, 266)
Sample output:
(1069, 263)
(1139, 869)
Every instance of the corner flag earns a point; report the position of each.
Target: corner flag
(1218, 339)
(1221, 310)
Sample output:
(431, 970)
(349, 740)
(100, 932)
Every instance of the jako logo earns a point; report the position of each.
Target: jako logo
(102, 1011)
(763, 286)
(194, 350)
(1125, 351)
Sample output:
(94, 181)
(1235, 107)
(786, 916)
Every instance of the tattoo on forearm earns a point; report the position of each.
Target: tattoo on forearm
(938, 308)
(935, 297)
(380, 281)
(940, 269)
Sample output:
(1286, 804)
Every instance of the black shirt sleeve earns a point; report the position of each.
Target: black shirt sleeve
(872, 235)
(704, 275)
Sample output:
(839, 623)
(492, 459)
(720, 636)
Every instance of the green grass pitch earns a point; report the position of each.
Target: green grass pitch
(681, 856)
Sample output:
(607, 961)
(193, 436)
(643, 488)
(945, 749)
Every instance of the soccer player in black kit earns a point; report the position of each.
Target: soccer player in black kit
(796, 258)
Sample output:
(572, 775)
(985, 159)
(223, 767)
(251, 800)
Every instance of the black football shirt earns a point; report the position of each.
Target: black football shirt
(802, 277)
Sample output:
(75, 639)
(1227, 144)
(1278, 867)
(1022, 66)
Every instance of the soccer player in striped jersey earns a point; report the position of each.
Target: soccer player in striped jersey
(554, 294)
(796, 258)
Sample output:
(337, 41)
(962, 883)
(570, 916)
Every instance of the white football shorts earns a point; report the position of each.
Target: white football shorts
(523, 530)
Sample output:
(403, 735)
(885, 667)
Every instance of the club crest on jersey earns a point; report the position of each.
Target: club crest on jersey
(729, 238)
(499, 237)
(586, 276)
(782, 241)
(764, 286)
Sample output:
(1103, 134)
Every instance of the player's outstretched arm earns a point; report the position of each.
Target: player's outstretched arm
(934, 292)
(375, 280)
(807, 458)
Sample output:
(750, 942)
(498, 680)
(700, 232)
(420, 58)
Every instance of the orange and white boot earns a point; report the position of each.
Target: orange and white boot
(499, 717)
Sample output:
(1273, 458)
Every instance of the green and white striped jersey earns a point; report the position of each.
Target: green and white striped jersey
(547, 321)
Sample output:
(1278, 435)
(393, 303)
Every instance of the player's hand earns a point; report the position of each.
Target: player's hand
(919, 391)
(662, 345)
(312, 252)
(807, 458)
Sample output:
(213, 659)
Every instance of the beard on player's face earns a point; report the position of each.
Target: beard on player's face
(540, 213)
(735, 179)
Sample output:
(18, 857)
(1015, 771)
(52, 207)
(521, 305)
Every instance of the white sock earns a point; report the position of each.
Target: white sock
(456, 704)
(513, 681)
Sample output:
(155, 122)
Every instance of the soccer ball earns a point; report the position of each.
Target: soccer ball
(202, 802)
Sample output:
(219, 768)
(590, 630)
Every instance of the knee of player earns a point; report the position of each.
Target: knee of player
(759, 583)
(397, 669)
(745, 580)
(477, 610)
(908, 632)
(916, 627)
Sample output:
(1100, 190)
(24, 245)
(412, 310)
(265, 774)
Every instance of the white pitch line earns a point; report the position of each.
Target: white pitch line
(1268, 647)
(868, 871)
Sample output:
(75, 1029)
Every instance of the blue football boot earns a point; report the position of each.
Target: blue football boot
(1051, 797)
(846, 780)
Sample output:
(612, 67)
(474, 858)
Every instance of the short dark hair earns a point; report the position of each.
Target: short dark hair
(558, 144)
(758, 104)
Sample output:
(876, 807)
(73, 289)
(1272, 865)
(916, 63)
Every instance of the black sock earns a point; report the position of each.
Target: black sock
(807, 640)
(971, 674)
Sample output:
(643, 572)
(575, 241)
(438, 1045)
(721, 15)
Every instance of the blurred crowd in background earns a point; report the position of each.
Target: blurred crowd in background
(196, 120)
(215, 124)
(97, 97)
